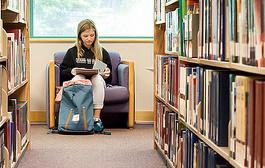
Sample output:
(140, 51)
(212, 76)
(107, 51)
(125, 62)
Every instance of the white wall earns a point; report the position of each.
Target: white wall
(140, 53)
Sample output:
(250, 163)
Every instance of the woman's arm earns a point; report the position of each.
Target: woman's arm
(106, 60)
(66, 66)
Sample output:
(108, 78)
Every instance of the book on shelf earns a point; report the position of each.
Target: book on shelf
(12, 110)
(22, 121)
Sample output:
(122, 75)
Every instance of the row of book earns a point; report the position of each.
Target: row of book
(167, 79)
(166, 131)
(195, 153)
(216, 30)
(204, 102)
(227, 108)
(16, 132)
(19, 8)
(247, 123)
(172, 33)
(159, 6)
(181, 146)
(246, 29)
(16, 55)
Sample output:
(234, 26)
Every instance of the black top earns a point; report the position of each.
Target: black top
(71, 61)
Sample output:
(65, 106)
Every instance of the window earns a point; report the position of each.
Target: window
(113, 18)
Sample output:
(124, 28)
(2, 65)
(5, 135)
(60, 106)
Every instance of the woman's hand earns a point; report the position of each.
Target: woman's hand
(106, 73)
(73, 71)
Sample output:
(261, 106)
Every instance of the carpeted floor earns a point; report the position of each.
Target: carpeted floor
(125, 148)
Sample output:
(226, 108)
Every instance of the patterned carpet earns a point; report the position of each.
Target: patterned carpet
(125, 148)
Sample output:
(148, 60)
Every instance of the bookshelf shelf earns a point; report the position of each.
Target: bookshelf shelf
(226, 65)
(2, 59)
(10, 11)
(165, 158)
(171, 5)
(172, 53)
(189, 60)
(159, 22)
(223, 151)
(172, 2)
(150, 69)
(220, 64)
(17, 24)
(249, 69)
(3, 121)
(17, 87)
(168, 105)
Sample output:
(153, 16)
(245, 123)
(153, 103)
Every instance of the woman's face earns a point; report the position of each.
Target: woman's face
(88, 37)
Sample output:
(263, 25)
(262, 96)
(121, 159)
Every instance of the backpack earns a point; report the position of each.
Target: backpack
(76, 110)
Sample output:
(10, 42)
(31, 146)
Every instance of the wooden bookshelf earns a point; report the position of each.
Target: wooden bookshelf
(15, 28)
(161, 42)
(166, 160)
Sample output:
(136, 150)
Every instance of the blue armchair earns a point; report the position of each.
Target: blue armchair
(119, 103)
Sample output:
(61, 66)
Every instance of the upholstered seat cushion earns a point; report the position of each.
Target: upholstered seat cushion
(116, 94)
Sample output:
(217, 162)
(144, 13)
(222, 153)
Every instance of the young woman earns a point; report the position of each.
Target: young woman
(83, 55)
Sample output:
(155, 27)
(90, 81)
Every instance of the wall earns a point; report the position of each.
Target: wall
(140, 53)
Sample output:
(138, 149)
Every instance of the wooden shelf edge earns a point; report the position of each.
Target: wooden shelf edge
(215, 63)
(171, 52)
(247, 68)
(167, 104)
(220, 150)
(3, 59)
(3, 121)
(164, 157)
(171, 2)
(190, 60)
(226, 65)
(17, 87)
(10, 10)
(160, 22)
(23, 151)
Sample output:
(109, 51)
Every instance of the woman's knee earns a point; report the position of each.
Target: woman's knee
(98, 80)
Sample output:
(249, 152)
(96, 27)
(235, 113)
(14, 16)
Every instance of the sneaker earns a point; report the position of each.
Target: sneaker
(98, 126)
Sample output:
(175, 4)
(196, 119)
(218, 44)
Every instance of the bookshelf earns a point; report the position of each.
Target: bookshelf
(209, 73)
(15, 77)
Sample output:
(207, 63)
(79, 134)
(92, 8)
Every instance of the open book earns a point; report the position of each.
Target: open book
(98, 67)
(86, 72)
(101, 66)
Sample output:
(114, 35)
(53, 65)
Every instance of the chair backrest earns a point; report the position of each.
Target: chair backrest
(115, 61)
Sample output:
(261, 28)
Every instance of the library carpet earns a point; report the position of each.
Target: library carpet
(125, 148)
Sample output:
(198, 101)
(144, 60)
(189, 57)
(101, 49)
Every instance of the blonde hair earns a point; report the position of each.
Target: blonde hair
(96, 47)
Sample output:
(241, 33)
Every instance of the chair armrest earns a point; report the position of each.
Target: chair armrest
(123, 77)
(131, 83)
(51, 93)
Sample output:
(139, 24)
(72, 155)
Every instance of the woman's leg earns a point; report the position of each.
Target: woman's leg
(99, 85)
